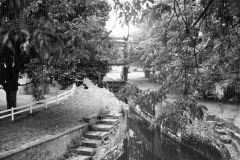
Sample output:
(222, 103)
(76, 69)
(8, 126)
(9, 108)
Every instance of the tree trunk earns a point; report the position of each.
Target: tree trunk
(11, 98)
(11, 88)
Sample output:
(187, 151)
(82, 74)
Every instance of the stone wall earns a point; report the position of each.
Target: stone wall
(49, 148)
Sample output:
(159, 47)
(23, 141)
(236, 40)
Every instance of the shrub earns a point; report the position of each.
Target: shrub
(43, 86)
(103, 112)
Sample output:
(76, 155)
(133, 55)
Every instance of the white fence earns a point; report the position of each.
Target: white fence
(30, 107)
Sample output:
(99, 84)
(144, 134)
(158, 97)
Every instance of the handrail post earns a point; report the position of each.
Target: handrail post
(72, 94)
(30, 108)
(57, 99)
(45, 104)
(12, 114)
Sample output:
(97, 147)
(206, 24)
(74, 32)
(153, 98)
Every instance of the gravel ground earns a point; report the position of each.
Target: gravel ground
(28, 128)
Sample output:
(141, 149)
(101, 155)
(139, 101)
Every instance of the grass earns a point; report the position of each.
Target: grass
(57, 118)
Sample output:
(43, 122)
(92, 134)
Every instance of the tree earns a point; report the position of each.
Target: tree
(192, 45)
(21, 38)
(39, 36)
(86, 41)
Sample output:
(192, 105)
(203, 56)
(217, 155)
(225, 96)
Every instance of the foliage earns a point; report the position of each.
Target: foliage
(181, 113)
(174, 115)
(94, 69)
(37, 93)
(128, 92)
(103, 112)
(191, 45)
(39, 36)
(207, 146)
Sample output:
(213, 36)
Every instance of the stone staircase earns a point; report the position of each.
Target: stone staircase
(100, 130)
(229, 138)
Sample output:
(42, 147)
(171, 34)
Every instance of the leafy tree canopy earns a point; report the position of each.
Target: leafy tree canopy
(38, 37)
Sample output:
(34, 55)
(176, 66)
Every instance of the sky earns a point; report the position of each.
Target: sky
(117, 31)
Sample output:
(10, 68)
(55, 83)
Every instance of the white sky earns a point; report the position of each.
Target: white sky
(117, 31)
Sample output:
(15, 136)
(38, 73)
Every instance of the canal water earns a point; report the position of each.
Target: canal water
(145, 144)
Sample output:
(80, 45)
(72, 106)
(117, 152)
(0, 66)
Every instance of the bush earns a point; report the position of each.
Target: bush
(43, 86)
(147, 73)
(103, 112)
(231, 92)
(27, 89)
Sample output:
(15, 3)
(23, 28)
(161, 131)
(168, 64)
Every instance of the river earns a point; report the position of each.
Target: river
(145, 144)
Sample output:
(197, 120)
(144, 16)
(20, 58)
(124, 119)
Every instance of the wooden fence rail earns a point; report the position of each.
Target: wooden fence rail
(43, 103)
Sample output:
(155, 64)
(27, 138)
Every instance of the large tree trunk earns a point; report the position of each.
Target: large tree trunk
(11, 98)
(11, 88)
(10, 70)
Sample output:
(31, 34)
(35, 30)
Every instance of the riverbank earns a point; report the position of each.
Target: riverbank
(221, 110)
(226, 134)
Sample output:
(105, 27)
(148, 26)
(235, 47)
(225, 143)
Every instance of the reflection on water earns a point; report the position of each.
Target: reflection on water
(143, 144)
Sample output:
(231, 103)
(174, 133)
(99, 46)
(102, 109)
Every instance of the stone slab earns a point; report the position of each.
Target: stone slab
(109, 121)
(91, 118)
(221, 131)
(114, 115)
(104, 127)
(220, 124)
(91, 143)
(225, 139)
(236, 145)
(97, 135)
(87, 151)
(81, 157)
(232, 151)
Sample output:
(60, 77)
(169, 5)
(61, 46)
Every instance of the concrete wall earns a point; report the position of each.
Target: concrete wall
(49, 148)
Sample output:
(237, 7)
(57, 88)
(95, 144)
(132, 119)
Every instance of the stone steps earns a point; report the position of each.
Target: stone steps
(90, 119)
(97, 135)
(92, 143)
(94, 139)
(109, 121)
(104, 127)
(228, 138)
(236, 145)
(81, 157)
(114, 115)
(86, 151)
(221, 131)
(232, 151)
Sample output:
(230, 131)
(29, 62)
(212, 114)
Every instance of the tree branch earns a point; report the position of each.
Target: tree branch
(203, 13)
(180, 11)
(24, 84)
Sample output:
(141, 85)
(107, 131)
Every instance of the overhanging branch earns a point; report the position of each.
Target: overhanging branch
(203, 13)
(24, 84)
